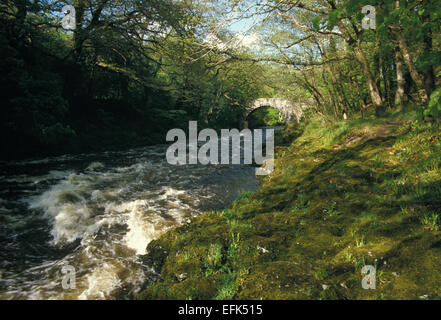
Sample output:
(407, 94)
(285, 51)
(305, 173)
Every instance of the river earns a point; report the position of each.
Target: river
(98, 212)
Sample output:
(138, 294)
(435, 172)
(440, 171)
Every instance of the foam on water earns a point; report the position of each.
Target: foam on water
(101, 282)
(101, 212)
(141, 228)
(67, 209)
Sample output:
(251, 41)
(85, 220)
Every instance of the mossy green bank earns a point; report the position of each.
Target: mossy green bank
(343, 195)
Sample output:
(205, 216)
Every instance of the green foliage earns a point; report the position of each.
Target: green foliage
(331, 210)
(98, 88)
(227, 287)
(245, 195)
(434, 108)
(263, 117)
(56, 134)
(301, 204)
(213, 261)
(431, 221)
(333, 19)
(316, 22)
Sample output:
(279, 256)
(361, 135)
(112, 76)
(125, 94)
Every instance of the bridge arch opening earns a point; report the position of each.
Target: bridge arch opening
(288, 110)
(264, 116)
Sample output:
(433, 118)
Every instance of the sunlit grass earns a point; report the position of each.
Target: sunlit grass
(345, 195)
(431, 221)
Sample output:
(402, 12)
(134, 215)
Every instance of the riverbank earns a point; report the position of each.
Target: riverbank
(342, 196)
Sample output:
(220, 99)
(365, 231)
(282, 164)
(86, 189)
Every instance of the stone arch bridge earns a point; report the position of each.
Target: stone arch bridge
(289, 111)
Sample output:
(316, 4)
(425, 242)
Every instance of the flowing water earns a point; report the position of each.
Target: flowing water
(97, 213)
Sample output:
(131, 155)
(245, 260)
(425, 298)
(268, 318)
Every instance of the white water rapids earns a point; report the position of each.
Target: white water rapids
(97, 213)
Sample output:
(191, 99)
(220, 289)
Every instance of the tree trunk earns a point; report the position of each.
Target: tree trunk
(342, 86)
(78, 35)
(400, 96)
(378, 72)
(330, 93)
(429, 75)
(341, 105)
(360, 99)
(312, 90)
(374, 91)
(416, 77)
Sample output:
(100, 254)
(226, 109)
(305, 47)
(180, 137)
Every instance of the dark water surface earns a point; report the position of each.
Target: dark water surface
(97, 213)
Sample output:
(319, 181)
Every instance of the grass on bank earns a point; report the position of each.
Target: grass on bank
(342, 196)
